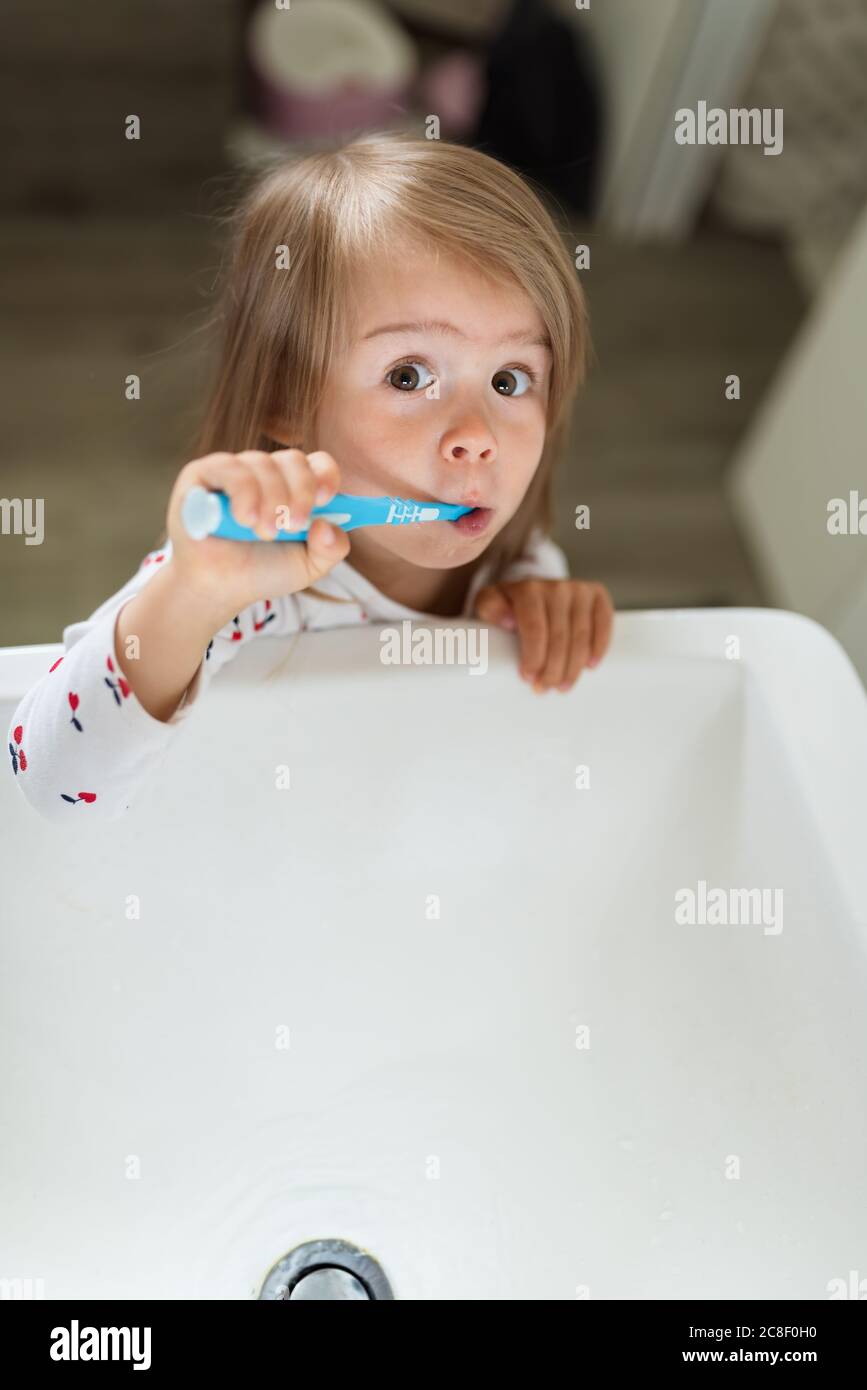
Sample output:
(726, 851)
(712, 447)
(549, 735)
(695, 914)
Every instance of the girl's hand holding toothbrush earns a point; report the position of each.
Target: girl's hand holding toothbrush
(267, 492)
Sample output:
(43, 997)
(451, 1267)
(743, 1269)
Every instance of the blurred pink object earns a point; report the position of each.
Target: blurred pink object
(454, 89)
(327, 66)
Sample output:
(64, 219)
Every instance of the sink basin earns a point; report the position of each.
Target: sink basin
(455, 994)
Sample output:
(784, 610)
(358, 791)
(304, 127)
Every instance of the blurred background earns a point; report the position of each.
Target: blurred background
(703, 262)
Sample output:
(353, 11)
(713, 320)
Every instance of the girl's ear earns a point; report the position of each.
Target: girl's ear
(278, 436)
(272, 429)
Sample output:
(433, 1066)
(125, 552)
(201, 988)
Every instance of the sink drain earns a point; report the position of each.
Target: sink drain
(326, 1269)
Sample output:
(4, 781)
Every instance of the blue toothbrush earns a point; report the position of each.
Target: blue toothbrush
(205, 513)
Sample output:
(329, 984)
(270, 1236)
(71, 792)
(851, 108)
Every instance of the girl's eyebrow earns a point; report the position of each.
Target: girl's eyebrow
(527, 338)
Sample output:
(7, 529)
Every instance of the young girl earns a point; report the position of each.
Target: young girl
(401, 317)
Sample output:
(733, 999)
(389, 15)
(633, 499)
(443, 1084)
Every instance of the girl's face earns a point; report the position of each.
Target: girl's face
(441, 395)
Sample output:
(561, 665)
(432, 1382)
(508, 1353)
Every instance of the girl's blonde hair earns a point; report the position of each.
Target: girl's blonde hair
(335, 211)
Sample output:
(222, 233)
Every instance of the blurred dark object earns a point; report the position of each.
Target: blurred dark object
(454, 87)
(543, 114)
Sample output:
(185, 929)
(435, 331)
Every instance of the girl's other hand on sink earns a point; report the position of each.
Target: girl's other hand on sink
(563, 626)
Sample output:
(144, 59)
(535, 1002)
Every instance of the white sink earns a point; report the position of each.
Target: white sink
(432, 1105)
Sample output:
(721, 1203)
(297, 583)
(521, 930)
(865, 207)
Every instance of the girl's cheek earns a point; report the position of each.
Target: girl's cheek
(353, 430)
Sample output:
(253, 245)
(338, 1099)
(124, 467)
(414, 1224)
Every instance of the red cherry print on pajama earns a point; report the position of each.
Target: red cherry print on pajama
(237, 634)
(124, 687)
(120, 682)
(18, 757)
(269, 616)
(55, 666)
(73, 705)
(86, 797)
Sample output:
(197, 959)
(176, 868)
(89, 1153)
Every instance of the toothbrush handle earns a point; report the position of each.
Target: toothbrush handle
(205, 513)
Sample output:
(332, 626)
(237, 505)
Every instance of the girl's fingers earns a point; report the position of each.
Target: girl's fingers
(224, 472)
(603, 623)
(274, 490)
(302, 483)
(269, 491)
(559, 607)
(327, 474)
(581, 642)
(532, 620)
(493, 607)
(326, 546)
(292, 483)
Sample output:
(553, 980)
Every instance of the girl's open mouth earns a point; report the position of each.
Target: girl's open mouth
(473, 523)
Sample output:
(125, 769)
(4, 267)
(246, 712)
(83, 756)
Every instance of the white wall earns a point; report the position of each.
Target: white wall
(636, 45)
(808, 445)
(653, 57)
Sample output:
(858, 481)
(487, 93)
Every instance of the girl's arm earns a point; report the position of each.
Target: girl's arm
(92, 729)
(103, 717)
(159, 638)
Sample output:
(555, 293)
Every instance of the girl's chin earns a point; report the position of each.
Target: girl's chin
(441, 544)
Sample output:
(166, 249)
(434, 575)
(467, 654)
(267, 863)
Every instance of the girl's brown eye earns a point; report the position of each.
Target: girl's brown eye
(510, 379)
(404, 378)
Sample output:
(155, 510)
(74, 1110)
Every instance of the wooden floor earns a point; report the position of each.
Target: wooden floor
(89, 301)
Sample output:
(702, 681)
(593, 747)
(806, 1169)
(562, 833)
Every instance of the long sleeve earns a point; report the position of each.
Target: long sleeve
(80, 741)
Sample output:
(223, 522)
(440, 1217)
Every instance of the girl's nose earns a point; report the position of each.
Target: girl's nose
(470, 445)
